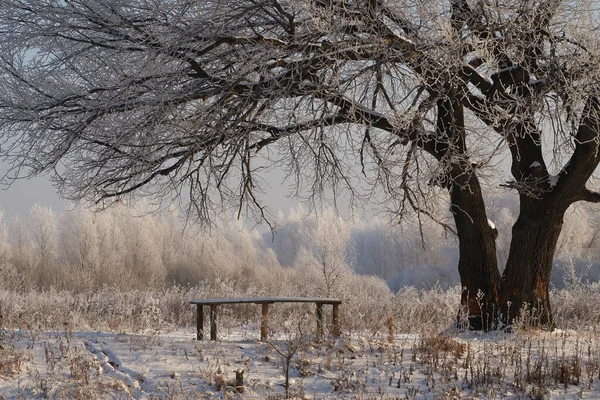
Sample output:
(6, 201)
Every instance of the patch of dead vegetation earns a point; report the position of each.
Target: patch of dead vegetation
(11, 361)
(440, 343)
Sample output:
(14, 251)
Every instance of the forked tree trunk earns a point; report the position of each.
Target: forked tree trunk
(526, 279)
(477, 265)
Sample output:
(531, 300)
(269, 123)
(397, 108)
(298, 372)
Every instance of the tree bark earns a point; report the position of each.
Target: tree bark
(526, 279)
(477, 265)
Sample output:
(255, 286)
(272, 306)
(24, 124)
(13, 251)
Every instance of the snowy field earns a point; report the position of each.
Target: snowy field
(127, 345)
(363, 365)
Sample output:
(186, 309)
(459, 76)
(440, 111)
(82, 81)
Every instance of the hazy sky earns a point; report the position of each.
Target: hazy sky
(24, 193)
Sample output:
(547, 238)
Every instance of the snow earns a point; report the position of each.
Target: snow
(363, 364)
(491, 224)
(553, 180)
(535, 164)
(266, 300)
(535, 81)
(509, 69)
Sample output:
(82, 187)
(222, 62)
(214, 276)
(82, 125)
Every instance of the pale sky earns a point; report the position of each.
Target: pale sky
(23, 194)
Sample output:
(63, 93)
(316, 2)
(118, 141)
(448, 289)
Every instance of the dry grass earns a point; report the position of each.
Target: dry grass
(441, 343)
(12, 359)
(528, 364)
(11, 362)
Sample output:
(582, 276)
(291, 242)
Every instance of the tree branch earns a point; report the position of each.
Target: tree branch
(589, 196)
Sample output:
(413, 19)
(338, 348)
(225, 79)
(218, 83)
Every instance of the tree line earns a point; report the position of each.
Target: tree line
(129, 248)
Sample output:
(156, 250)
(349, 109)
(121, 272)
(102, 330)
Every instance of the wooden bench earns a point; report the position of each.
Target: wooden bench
(264, 301)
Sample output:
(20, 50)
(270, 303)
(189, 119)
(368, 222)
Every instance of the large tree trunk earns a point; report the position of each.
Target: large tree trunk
(477, 265)
(525, 281)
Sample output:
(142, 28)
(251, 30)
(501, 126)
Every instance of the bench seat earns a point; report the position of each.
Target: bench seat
(264, 301)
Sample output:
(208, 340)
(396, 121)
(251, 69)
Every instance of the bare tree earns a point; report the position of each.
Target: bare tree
(194, 99)
(44, 232)
(327, 242)
(79, 240)
(22, 257)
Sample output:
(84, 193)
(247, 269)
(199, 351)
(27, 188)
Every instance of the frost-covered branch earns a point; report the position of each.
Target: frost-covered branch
(195, 99)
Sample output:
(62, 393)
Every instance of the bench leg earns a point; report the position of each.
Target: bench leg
(213, 322)
(319, 320)
(264, 325)
(199, 322)
(336, 320)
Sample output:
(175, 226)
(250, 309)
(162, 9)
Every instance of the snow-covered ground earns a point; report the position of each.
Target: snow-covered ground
(451, 365)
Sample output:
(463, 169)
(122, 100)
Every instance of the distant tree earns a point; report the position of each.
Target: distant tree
(9, 276)
(113, 249)
(45, 236)
(143, 250)
(327, 251)
(21, 250)
(4, 243)
(79, 240)
(407, 99)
